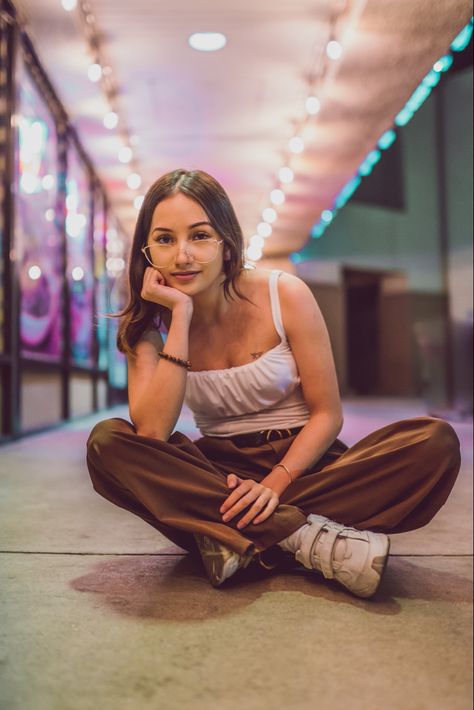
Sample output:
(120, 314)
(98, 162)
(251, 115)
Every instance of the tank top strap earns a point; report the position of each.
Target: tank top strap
(275, 303)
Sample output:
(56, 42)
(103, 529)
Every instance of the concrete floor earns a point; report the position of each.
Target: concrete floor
(100, 611)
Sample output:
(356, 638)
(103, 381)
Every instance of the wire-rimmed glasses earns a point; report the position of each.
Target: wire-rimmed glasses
(163, 254)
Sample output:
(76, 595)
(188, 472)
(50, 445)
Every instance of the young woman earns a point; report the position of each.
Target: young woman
(249, 352)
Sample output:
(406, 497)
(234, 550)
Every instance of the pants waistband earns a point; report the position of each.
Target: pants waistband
(257, 438)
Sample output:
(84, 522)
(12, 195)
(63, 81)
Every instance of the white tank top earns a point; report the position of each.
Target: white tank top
(265, 394)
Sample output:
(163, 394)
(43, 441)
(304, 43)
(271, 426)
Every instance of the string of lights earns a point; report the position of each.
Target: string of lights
(326, 54)
(100, 72)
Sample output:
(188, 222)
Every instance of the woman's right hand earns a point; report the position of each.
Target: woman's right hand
(154, 290)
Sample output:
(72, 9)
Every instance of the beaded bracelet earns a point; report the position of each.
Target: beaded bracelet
(176, 360)
(282, 465)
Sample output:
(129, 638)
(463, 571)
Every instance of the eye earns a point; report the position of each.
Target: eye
(164, 239)
(202, 235)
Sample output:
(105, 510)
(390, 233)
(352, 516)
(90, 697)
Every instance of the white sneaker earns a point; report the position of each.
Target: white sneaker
(220, 562)
(359, 561)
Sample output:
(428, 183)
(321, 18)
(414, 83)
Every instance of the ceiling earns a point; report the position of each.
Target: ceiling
(232, 112)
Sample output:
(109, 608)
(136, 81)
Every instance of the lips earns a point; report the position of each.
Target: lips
(185, 276)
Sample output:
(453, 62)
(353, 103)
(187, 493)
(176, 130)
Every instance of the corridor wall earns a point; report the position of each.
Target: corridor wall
(420, 254)
(57, 352)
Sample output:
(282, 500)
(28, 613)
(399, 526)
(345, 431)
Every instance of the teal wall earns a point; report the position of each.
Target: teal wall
(429, 243)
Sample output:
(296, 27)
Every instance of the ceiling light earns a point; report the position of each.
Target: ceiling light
(257, 241)
(69, 5)
(334, 49)
(138, 201)
(286, 175)
(94, 72)
(111, 120)
(125, 154)
(296, 144)
(269, 215)
(313, 105)
(254, 253)
(207, 41)
(264, 229)
(277, 197)
(134, 181)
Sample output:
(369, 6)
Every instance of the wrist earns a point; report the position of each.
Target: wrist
(277, 480)
(183, 310)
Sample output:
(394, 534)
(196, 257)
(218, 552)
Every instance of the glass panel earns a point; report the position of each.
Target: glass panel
(36, 389)
(81, 390)
(118, 362)
(101, 394)
(38, 238)
(79, 259)
(101, 281)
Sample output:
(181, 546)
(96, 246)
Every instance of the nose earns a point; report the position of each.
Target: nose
(185, 248)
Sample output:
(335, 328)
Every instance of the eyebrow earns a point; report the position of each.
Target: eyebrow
(191, 226)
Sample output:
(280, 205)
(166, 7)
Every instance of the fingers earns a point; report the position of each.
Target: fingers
(266, 503)
(262, 500)
(271, 506)
(244, 488)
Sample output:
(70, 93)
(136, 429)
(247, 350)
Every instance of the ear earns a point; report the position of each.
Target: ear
(227, 254)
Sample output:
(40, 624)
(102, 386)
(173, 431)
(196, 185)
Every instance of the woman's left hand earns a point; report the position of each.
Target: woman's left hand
(263, 501)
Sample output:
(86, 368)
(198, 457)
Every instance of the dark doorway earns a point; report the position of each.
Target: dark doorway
(362, 296)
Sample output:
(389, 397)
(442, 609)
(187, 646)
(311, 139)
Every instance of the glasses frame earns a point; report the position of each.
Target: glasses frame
(147, 246)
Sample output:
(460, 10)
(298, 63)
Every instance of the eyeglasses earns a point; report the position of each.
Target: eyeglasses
(163, 253)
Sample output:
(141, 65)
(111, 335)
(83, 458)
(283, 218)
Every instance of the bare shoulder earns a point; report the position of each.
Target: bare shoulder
(291, 287)
(296, 297)
(254, 279)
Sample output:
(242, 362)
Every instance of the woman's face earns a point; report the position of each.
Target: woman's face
(178, 222)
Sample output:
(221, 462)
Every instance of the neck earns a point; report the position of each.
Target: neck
(210, 306)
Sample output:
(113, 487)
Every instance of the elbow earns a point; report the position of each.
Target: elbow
(334, 420)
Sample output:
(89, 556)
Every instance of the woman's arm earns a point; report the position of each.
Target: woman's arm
(309, 340)
(156, 386)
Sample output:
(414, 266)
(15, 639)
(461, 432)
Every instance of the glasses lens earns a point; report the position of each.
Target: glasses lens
(201, 251)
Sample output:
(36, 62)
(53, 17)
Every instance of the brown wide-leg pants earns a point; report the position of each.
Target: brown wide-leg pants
(393, 480)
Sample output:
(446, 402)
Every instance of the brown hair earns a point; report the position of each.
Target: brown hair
(139, 315)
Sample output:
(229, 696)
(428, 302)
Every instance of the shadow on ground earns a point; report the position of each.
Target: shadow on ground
(175, 588)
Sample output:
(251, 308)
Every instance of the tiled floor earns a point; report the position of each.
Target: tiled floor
(99, 610)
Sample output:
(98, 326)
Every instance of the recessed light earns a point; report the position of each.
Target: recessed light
(207, 41)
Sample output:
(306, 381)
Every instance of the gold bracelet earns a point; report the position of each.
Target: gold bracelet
(282, 465)
(176, 360)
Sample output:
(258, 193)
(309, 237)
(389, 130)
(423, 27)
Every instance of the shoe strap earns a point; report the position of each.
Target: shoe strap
(326, 548)
(303, 554)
